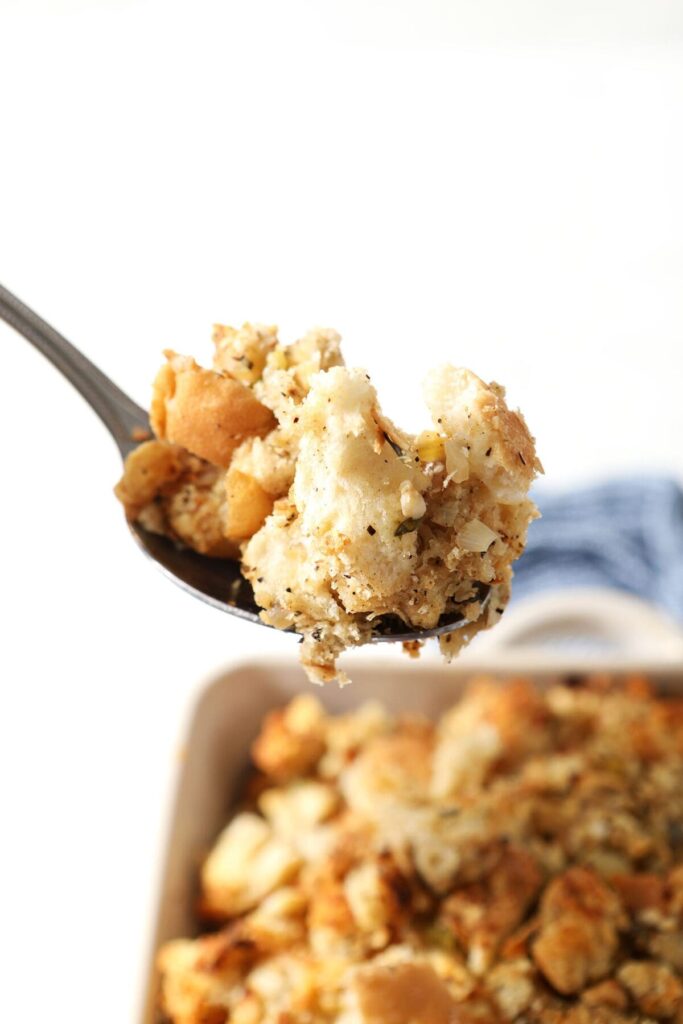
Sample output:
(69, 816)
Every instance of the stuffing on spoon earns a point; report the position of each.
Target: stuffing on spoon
(281, 455)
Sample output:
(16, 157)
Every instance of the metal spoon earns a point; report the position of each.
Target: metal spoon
(218, 582)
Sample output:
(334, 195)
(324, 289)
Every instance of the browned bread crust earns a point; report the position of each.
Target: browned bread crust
(205, 411)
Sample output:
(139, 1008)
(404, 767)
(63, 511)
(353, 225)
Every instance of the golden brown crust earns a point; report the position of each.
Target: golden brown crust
(403, 994)
(608, 994)
(206, 412)
(571, 952)
(247, 505)
(290, 741)
(171, 492)
(482, 915)
(151, 467)
(516, 443)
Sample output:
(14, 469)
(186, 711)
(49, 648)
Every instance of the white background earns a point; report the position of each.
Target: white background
(496, 184)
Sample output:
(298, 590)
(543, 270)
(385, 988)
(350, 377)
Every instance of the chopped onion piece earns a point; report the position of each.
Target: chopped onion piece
(457, 463)
(476, 536)
(412, 503)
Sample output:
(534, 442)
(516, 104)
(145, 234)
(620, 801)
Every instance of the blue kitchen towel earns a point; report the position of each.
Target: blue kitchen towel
(626, 534)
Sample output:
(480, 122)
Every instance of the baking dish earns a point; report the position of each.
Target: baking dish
(547, 639)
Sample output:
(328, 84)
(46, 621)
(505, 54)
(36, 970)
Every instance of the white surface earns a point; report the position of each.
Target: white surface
(496, 184)
(588, 627)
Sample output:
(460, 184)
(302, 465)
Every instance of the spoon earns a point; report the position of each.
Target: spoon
(216, 581)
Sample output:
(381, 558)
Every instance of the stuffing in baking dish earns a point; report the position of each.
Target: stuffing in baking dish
(281, 455)
(521, 860)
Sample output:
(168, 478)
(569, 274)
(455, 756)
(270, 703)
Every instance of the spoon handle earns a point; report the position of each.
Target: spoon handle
(119, 413)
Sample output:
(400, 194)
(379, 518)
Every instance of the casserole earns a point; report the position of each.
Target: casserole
(589, 630)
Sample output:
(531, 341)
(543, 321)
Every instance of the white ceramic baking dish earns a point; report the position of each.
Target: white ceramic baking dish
(546, 638)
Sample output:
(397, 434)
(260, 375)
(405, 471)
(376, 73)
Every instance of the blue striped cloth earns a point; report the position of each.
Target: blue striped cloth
(626, 534)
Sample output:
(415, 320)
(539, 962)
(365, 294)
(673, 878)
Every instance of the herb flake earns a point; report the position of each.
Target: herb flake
(407, 526)
(393, 445)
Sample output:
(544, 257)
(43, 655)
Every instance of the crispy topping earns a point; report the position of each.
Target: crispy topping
(519, 861)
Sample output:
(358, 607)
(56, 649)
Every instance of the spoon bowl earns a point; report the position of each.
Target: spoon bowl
(219, 583)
